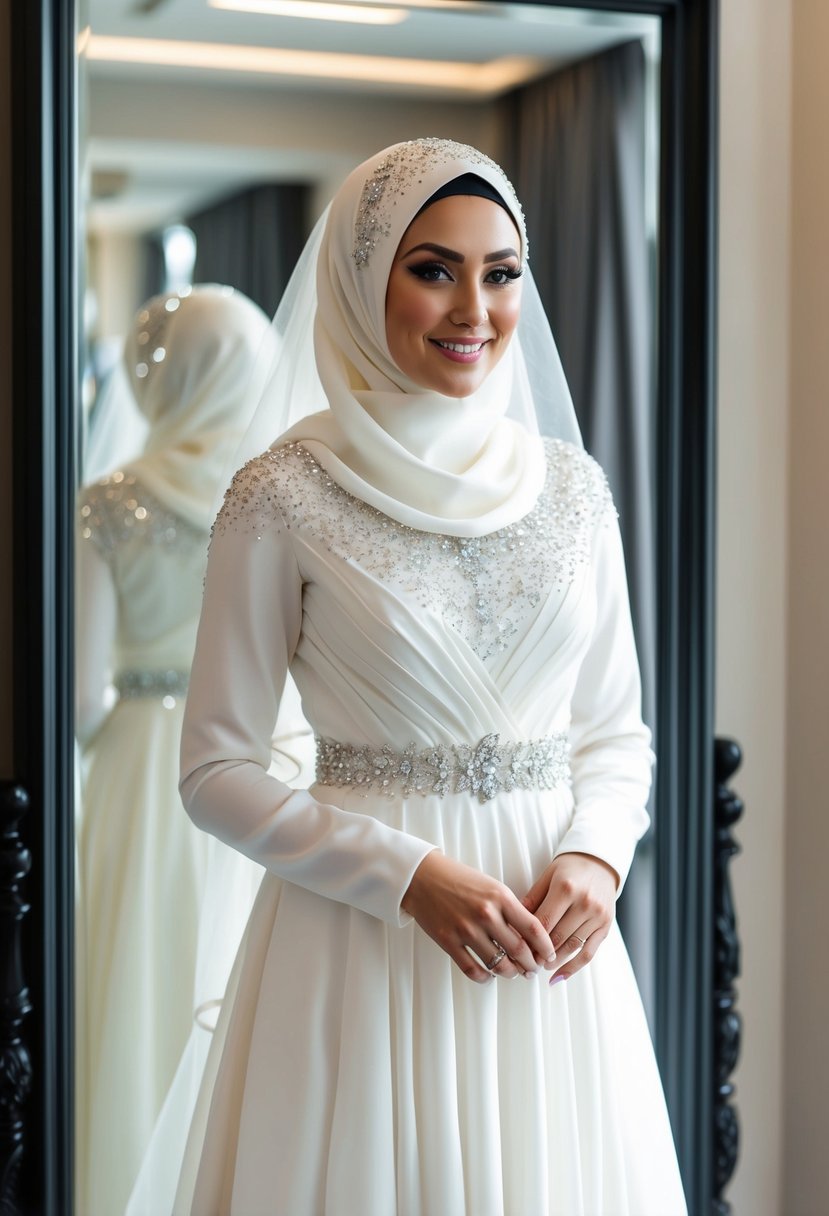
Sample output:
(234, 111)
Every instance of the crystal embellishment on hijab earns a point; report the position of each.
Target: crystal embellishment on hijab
(394, 175)
(150, 341)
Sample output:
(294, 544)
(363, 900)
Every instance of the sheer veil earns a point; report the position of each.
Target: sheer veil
(539, 398)
(292, 379)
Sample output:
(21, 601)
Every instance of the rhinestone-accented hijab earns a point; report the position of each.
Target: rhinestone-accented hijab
(190, 357)
(460, 466)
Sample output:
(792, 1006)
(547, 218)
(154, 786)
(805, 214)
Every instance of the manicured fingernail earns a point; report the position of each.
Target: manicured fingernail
(551, 958)
(557, 979)
(529, 975)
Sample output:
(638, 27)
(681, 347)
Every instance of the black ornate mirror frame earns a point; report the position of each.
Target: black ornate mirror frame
(36, 866)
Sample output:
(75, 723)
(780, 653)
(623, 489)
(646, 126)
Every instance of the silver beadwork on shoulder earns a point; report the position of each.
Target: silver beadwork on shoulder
(482, 587)
(394, 176)
(254, 499)
(118, 509)
(486, 768)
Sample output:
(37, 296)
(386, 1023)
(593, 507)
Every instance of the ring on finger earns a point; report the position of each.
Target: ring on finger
(574, 937)
(496, 958)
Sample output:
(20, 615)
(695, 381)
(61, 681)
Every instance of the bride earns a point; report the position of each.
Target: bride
(447, 589)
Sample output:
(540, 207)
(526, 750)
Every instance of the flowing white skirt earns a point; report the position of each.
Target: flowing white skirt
(355, 1072)
(140, 873)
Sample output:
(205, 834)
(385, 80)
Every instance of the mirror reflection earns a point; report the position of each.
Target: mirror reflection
(206, 164)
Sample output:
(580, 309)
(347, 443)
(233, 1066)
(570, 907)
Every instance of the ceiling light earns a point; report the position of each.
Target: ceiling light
(360, 14)
(477, 79)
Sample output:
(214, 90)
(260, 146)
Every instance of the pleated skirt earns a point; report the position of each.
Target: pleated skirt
(356, 1072)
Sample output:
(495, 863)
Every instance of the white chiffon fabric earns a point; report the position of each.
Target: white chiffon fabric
(142, 868)
(194, 359)
(141, 863)
(466, 465)
(354, 1069)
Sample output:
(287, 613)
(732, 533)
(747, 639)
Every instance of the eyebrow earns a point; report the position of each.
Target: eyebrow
(452, 255)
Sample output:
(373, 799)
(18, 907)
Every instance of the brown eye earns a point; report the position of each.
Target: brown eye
(501, 275)
(430, 272)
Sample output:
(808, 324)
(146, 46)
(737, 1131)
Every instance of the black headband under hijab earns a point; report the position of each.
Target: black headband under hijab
(467, 183)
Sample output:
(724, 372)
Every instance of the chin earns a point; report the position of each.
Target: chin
(458, 386)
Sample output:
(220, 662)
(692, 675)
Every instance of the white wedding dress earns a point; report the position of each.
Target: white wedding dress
(141, 864)
(354, 1070)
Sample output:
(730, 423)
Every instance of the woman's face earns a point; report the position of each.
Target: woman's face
(454, 294)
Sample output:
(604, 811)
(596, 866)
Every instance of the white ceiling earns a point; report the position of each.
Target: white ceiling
(155, 175)
(466, 31)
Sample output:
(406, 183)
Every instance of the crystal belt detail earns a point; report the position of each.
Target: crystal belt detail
(486, 768)
(166, 685)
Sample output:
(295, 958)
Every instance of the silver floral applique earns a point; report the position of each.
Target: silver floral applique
(484, 769)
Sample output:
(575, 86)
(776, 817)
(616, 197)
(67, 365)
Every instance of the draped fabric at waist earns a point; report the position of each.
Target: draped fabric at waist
(165, 685)
(486, 768)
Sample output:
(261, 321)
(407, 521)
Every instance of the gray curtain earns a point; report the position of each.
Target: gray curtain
(577, 143)
(252, 240)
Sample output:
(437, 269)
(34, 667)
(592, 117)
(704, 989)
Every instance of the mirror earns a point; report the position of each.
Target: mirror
(131, 170)
(208, 161)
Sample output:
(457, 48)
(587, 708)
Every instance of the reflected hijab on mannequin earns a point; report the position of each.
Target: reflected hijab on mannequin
(188, 357)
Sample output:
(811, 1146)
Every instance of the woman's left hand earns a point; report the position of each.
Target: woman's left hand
(575, 900)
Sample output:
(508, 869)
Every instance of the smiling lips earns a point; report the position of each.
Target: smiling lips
(460, 352)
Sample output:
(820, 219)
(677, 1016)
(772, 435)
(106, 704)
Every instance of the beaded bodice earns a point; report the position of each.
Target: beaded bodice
(118, 509)
(483, 587)
(156, 561)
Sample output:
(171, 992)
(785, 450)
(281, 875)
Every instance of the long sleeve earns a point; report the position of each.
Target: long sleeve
(96, 615)
(611, 755)
(249, 628)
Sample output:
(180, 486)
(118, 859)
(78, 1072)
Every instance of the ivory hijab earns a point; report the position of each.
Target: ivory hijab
(191, 360)
(436, 463)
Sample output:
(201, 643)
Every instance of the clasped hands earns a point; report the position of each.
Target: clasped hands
(557, 927)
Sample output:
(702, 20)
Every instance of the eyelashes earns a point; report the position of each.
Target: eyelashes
(432, 272)
(436, 272)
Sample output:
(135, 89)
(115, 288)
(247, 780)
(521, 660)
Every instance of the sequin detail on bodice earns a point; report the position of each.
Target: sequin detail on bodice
(118, 509)
(483, 587)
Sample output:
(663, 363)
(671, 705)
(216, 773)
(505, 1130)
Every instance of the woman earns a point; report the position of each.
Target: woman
(142, 554)
(448, 591)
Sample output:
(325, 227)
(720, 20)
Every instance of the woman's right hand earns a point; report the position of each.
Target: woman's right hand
(462, 910)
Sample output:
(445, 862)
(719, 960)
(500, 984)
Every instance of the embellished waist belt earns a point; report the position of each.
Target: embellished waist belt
(486, 768)
(166, 685)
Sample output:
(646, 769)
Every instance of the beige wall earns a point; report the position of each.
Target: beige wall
(322, 135)
(773, 663)
(751, 572)
(806, 1062)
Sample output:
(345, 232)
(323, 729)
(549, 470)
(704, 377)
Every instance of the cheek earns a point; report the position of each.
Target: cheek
(410, 311)
(509, 314)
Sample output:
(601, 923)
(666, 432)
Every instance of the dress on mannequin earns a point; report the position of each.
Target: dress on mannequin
(141, 865)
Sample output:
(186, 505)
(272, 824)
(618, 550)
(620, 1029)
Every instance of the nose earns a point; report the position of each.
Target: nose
(469, 307)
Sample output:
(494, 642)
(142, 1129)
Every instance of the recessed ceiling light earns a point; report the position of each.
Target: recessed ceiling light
(360, 14)
(475, 79)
